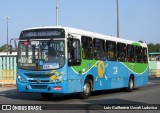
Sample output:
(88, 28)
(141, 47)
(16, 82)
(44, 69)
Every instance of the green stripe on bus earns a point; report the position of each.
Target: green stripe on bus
(136, 44)
(138, 68)
(85, 66)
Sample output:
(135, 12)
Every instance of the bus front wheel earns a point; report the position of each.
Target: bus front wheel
(87, 89)
(47, 95)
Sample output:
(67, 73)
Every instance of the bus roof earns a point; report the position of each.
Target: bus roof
(90, 34)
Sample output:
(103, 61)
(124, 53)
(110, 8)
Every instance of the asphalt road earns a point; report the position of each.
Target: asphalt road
(149, 94)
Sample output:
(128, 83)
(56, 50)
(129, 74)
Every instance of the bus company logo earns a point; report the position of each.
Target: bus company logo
(115, 70)
(101, 69)
(6, 107)
(38, 81)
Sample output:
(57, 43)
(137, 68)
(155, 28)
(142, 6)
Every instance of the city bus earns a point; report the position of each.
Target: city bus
(63, 60)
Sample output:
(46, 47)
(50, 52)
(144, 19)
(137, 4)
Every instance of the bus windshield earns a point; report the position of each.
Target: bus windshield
(41, 55)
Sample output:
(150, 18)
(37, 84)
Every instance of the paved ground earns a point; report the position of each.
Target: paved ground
(150, 94)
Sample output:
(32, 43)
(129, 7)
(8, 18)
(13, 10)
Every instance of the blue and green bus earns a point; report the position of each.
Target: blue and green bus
(58, 59)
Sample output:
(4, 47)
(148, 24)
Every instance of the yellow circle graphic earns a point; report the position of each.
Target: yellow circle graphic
(101, 69)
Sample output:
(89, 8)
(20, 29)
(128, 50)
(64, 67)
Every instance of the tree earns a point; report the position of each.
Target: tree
(153, 47)
(3, 48)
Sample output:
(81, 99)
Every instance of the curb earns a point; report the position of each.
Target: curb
(7, 83)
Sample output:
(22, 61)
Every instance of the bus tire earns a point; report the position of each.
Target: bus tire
(130, 84)
(47, 95)
(87, 89)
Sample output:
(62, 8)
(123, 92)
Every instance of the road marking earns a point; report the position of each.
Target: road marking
(13, 94)
(150, 83)
(2, 94)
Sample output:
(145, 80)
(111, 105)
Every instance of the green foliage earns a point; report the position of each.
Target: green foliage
(153, 47)
(3, 47)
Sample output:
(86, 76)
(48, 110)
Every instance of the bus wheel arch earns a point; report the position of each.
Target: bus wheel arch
(87, 87)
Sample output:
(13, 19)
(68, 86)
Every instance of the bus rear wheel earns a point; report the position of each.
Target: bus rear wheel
(87, 89)
(131, 84)
(47, 95)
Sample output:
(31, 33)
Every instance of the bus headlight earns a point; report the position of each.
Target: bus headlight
(21, 79)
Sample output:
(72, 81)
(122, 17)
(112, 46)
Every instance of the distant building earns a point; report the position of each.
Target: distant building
(8, 68)
(154, 63)
(5, 54)
(154, 56)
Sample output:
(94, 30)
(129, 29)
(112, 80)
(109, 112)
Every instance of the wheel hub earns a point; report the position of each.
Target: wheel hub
(86, 89)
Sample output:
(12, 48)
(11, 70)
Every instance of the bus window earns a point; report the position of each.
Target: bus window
(74, 52)
(130, 53)
(139, 54)
(121, 49)
(111, 50)
(99, 49)
(145, 59)
(87, 47)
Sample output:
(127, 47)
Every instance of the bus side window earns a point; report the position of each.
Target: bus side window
(87, 47)
(130, 53)
(139, 54)
(122, 49)
(145, 59)
(99, 49)
(74, 56)
(111, 50)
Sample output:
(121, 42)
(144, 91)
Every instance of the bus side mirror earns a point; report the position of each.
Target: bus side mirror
(70, 42)
(10, 49)
(14, 43)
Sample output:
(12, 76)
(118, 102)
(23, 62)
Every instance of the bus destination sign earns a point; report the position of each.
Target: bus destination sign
(54, 33)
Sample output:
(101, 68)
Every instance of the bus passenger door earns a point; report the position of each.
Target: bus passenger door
(74, 61)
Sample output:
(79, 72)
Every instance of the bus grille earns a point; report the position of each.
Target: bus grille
(39, 86)
(41, 81)
(38, 75)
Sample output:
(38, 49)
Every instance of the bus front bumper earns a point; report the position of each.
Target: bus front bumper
(41, 88)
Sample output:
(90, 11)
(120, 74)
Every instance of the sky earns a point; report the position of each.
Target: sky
(139, 19)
